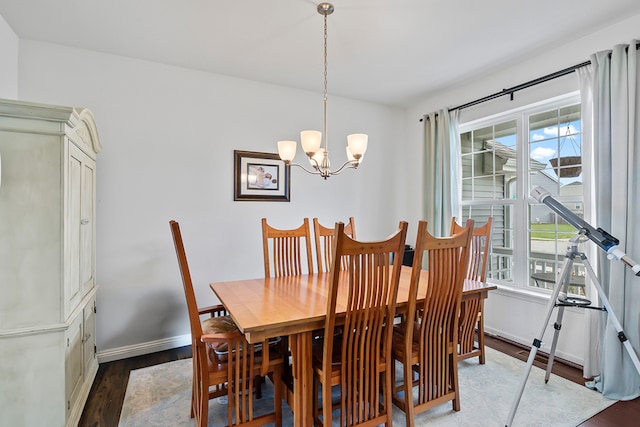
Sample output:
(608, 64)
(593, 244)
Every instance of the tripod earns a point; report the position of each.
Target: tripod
(559, 299)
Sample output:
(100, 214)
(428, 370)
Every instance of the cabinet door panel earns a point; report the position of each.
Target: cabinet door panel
(73, 361)
(74, 217)
(87, 226)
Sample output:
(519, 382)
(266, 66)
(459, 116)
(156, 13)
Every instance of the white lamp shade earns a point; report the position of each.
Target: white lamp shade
(287, 150)
(311, 140)
(357, 144)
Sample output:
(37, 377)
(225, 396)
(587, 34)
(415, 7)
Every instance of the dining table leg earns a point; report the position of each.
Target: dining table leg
(302, 367)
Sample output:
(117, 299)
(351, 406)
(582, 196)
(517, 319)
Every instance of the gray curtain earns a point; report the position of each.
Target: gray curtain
(594, 319)
(442, 171)
(616, 159)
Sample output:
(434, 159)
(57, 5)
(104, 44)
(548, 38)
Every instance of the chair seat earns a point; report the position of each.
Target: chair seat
(336, 366)
(275, 358)
(397, 348)
(216, 325)
(220, 324)
(225, 325)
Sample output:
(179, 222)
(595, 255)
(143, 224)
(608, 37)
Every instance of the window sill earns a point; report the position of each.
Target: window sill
(527, 295)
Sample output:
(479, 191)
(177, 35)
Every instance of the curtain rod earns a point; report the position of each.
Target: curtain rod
(510, 91)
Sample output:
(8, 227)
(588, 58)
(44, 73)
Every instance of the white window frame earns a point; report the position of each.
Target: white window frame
(520, 278)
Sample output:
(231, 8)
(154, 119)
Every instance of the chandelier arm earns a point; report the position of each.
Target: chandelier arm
(350, 164)
(347, 165)
(310, 172)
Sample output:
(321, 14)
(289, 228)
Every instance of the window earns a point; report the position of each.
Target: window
(502, 158)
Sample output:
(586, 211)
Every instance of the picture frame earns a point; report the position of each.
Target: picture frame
(260, 177)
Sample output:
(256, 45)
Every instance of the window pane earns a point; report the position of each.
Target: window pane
(489, 160)
(555, 147)
(555, 163)
(549, 241)
(501, 258)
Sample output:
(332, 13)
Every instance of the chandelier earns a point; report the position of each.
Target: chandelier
(311, 140)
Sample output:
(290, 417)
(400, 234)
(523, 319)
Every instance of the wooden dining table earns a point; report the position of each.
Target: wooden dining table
(295, 306)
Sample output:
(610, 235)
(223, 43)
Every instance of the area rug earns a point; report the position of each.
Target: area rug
(160, 396)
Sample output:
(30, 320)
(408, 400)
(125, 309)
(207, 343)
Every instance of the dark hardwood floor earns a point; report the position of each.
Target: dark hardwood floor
(107, 393)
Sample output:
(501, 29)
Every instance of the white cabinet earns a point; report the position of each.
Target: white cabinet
(47, 263)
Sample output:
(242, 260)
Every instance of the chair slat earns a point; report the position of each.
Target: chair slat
(324, 243)
(285, 249)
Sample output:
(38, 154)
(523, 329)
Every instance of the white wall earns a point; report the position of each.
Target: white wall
(517, 315)
(9, 64)
(168, 136)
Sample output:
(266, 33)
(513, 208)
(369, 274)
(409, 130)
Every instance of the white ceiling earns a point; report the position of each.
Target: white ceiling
(389, 52)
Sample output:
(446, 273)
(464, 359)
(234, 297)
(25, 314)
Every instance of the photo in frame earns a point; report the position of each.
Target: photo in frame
(260, 177)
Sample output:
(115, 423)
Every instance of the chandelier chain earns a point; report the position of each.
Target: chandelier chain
(326, 136)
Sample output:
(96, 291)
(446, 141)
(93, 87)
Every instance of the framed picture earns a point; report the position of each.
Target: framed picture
(260, 177)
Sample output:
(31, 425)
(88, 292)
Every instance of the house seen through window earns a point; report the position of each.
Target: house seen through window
(503, 157)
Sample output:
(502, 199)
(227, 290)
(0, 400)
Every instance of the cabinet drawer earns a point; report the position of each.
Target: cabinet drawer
(89, 335)
(73, 361)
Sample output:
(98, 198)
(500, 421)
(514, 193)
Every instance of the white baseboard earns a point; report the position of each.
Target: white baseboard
(112, 354)
(546, 347)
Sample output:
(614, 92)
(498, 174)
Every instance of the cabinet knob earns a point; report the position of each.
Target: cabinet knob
(86, 338)
(84, 221)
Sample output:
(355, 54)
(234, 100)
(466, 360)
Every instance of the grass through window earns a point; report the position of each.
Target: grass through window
(548, 231)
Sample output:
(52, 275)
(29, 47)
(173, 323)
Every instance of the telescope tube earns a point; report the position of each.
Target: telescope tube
(606, 241)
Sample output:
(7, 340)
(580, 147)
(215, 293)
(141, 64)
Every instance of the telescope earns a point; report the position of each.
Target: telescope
(606, 241)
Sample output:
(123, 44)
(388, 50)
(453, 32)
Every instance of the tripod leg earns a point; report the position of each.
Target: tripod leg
(563, 284)
(537, 342)
(557, 326)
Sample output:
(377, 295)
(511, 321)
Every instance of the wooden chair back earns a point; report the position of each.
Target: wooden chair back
(214, 372)
(480, 251)
(429, 338)
(324, 242)
(286, 254)
(479, 256)
(192, 306)
(371, 288)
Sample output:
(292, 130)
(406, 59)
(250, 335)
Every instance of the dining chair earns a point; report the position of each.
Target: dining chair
(359, 359)
(426, 341)
(323, 237)
(283, 256)
(224, 363)
(286, 254)
(479, 255)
